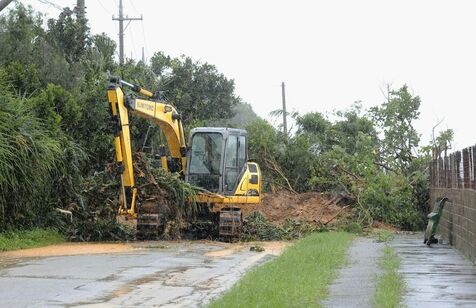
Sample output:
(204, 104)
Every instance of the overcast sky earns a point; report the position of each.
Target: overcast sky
(329, 53)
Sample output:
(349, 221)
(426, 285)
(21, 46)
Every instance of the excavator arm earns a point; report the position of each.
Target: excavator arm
(162, 114)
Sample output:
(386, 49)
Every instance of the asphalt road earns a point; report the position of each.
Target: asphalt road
(155, 274)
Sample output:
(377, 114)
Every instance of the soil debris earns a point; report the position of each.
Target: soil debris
(311, 207)
(272, 247)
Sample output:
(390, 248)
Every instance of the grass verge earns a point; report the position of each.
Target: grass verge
(13, 240)
(297, 278)
(390, 284)
(384, 236)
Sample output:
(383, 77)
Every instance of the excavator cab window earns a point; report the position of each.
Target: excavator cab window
(235, 159)
(205, 161)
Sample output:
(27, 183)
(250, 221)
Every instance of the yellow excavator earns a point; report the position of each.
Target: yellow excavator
(216, 160)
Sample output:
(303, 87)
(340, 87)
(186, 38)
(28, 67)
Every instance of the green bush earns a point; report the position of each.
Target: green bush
(12, 240)
(353, 227)
(390, 198)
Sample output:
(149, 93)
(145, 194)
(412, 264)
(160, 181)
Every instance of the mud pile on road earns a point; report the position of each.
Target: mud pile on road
(282, 215)
(310, 207)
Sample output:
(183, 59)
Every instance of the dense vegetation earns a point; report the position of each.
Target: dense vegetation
(56, 136)
(371, 159)
(29, 239)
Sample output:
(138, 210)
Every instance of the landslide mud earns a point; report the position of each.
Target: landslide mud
(311, 207)
(68, 249)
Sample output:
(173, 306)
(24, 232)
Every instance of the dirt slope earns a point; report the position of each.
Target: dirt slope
(309, 207)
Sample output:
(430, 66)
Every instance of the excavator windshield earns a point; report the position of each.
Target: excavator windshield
(206, 160)
(217, 159)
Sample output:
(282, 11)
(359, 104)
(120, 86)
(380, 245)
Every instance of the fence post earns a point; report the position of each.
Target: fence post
(466, 168)
(473, 152)
(459, 182)
(447, 172)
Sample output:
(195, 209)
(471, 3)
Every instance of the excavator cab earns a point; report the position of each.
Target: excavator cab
(217, 159)
(218, 163)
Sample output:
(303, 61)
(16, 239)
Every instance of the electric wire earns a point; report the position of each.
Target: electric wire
(146, 53)
(133, 6)
(104, 8)
(56, 6)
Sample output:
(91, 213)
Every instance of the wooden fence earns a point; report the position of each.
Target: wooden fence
(456, 170)
(453, 176)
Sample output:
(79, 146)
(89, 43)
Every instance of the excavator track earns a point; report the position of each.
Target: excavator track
(230, 223)
(148, 221)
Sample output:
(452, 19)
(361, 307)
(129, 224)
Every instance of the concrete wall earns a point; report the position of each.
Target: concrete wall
(454, 177)
(458, 223)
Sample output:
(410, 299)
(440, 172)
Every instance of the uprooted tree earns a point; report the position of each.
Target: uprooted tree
(371, 159)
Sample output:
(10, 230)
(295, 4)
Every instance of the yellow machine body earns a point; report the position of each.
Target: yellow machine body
(247, 192)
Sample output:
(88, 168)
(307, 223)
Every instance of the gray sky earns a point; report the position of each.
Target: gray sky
(329, 53)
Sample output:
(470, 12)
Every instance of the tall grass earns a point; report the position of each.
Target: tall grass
(390, 284)
(31, 162)
(29, 239)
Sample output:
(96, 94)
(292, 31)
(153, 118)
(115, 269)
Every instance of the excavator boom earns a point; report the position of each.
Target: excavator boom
(162, 114)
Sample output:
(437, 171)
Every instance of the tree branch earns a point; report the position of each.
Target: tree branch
(274, 166)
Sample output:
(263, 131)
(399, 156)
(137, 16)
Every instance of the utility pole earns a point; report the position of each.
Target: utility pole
(4, 3)
(285, 124)
(80, 8)
(121, 20)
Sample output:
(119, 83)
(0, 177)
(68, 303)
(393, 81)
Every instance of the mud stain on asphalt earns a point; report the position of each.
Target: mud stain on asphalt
(274, 248)
(68, 249)
(158, 273)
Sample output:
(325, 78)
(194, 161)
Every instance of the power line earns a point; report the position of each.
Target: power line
(144, 48)
(104, 8)
(56, 6)
(134, 7)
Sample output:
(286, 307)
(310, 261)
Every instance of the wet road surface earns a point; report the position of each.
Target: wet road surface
(439, 276)
(181, 274)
